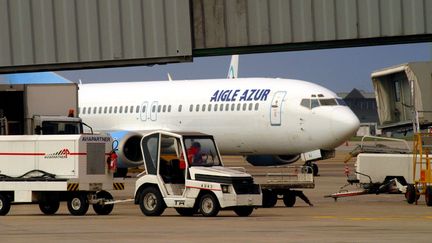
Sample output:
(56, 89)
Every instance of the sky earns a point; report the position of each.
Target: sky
(339, 70)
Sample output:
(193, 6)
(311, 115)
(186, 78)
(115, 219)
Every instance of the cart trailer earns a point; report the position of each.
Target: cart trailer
(48, 169)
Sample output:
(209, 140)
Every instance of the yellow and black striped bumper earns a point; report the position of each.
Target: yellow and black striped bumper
(118, 186)
(73, 187)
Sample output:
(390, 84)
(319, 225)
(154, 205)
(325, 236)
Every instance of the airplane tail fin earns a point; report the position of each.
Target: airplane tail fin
(233, 68)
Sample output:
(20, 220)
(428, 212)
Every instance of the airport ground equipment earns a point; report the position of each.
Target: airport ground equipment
(48, 169)
(177, 176)
(422, 178)
(379, 168)
(283, 182)
(28, 109)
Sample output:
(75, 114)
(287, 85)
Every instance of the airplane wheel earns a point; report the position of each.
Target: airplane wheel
(103, 209)
(289, 199)
(5, 204)
(209, 205)
(186, 211)
(49, 207)
(151, 202)
(269, 199)
(78, 204)
(243, 211)
(411, 194)
(428, 196)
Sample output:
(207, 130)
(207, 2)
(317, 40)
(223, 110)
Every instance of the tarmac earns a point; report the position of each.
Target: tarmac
(366, 218)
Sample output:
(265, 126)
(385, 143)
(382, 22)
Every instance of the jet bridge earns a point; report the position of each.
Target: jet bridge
(403, 96)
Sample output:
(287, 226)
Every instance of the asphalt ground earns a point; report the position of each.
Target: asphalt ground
(366, 218)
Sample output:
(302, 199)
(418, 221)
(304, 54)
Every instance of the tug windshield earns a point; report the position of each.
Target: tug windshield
(201, 151)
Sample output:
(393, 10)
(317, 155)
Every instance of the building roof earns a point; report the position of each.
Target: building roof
(356, 94)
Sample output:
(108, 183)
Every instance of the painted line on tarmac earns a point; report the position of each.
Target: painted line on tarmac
(389, 218)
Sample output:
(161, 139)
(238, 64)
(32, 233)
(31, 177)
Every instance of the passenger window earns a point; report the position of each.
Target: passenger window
(115, 109)
(221, 107)
(250, 106)
(314, 103)
(121, 109)
(143, 109)
(256, 106)
(131, 109)
(227, 107)
(83, 110)
(154, 108)
(244, 106)
(215, 107)
(164, 108)
(209, 107)
(94, 110)
(110, 109)
(191, 108)
(238, 106)
(232, 107)
(100, 110)
(159, 108)
(203, 107)
(305, 103)
(169, 108)
(180, 108)
(126, 109)
(137, 109)
(197, 108)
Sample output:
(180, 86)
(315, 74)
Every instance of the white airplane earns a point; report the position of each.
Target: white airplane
(270, 121)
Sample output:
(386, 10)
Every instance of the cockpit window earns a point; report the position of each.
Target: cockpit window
(314, 103)
(305, 103)
(325, 102)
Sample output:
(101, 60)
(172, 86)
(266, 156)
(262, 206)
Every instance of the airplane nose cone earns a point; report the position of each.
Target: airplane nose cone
(344, 124)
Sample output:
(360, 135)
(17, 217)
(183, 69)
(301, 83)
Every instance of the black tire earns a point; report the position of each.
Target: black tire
(209, 205)
(243, 211)
(428, 196)
(49, 207)
(151, 202)
(5, 204)
(78, 204)
(186, 211)
(103, 209)
(411, 194)
(289, 199)
(269, 199)
(315, 169)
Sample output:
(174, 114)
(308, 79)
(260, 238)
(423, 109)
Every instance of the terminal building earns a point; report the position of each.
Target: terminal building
(363, 104)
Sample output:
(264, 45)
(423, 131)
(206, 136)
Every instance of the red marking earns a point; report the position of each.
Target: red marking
(210, 189)
(77, 153)
(25, 154)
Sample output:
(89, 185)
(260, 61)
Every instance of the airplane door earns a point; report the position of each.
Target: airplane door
(153, 111)
(276, 108)
(143, 111)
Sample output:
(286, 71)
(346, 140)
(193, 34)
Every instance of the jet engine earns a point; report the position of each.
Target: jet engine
(268, 160)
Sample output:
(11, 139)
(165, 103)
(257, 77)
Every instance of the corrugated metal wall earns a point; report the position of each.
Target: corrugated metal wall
(242, 23)
(44, 32)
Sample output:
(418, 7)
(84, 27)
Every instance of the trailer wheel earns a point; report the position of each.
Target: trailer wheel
(186, 211)
(49, 207)
(151, 202)
(103, 209)
(428, 196)
(243, 211)
(411, 194)
(315, 169)
(289, 199)
(78, 204)
(5, 204)
(209, 205)
(269, 199)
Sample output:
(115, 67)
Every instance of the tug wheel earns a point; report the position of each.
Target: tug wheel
(269, 199)
(209, 205)
(186, 211)
(428, 196)
(151, 202)
(103, 209)
(243, 211)
(49, 207)
(5, 204)
(289, 199)
(411, 194)
(78, 204)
